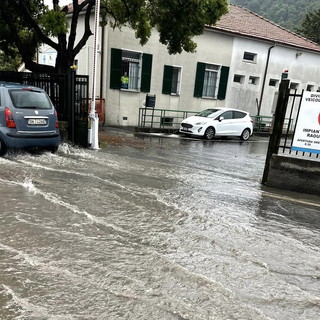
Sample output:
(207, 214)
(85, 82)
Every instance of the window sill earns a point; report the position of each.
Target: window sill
(249, 61)
(129, 90)
(209, 98)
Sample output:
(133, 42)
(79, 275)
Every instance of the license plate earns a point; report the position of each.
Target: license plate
(37, 122)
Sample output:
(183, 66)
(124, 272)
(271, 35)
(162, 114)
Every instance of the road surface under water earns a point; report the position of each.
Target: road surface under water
(176, 229)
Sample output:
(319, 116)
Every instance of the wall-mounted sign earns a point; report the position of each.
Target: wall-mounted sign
(307, 133)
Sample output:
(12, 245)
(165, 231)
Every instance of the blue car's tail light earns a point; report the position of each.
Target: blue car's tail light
(9, 118)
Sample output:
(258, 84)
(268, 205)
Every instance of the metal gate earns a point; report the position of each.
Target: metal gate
(70, 96)
(281, 138)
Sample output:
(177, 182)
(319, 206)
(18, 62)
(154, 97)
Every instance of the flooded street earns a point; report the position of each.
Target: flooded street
(168, 229)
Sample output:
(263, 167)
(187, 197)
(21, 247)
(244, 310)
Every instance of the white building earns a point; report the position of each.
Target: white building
(239, 63)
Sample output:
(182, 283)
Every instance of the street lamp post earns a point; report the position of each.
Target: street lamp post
(93, 132)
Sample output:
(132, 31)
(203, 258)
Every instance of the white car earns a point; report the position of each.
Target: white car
(218, 122)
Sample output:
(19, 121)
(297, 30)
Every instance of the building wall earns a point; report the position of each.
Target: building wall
(294, 174)
(245, 95)
(122, 107)
(125, 104)
(303, 68)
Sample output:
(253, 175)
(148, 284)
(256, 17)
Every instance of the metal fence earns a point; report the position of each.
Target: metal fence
(281, 136)
(264, 124)
(162, 118)
(293, 101)
(170, 119)
(70, 96)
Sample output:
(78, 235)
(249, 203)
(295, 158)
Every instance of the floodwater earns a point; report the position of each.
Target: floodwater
(176, 229)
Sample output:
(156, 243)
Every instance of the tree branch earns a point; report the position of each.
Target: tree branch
(87, 32)
(23, 9)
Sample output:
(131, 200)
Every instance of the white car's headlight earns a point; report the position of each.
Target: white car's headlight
(201, 123)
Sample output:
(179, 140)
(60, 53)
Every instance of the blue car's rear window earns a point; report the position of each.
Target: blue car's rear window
(29, 99)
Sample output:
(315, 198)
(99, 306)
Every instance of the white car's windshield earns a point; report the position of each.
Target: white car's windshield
(207, 113)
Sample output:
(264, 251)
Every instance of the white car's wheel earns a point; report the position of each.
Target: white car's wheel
(209, 133)
(245, 135)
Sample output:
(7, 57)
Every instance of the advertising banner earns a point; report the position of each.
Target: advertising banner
(307, 133)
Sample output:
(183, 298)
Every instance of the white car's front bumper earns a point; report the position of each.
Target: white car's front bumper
(195, 130)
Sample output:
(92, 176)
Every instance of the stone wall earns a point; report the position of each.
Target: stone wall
(294, 174)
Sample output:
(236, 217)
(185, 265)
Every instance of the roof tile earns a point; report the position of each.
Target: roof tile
(247, 23)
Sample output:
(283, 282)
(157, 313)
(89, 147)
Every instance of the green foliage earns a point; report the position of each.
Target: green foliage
(177, 21)
(287, 13)
(26, 24)
(54, 22)
(18, 38)
(310, 26)
(9, 63)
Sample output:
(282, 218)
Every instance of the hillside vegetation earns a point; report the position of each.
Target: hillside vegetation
(287, 13)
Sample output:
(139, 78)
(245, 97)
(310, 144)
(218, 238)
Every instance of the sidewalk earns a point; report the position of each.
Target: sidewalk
(120, 137)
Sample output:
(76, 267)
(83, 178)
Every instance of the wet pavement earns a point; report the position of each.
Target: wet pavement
(155, 227)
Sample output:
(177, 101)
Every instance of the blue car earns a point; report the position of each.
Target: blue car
(28, 118)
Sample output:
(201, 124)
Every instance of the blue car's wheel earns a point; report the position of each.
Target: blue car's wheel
(3, 148)
(53, 149)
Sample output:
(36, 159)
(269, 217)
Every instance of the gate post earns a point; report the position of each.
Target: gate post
(277, 127)
(71, 104)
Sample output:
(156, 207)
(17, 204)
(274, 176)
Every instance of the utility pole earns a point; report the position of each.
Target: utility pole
(93, 131)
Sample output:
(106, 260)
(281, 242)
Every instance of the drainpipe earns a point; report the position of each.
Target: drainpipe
(264, 77)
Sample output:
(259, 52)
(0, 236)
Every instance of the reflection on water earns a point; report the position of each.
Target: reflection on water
(180, 231)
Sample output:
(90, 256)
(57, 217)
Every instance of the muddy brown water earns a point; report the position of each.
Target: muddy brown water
(175, 229)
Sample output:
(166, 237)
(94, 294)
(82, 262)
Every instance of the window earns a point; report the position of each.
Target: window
(250, 57)
(253, 80)
(273, 82)
(175, 88)
(211, 81)
(238, 115)
(134, 66)
(238, 78)
(29, 99)
(294, 86)
(310, 87)
(227, 115)
(130, 67)
(232, 115)
(171, 80)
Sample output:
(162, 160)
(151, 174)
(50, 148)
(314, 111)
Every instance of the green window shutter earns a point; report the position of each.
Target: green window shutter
(167, 79)
(223, 82)
(198, 86)
(146, 72)
(115, 72)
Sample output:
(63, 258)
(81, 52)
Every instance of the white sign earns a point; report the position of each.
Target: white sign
(307, 133)
(48, 58)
